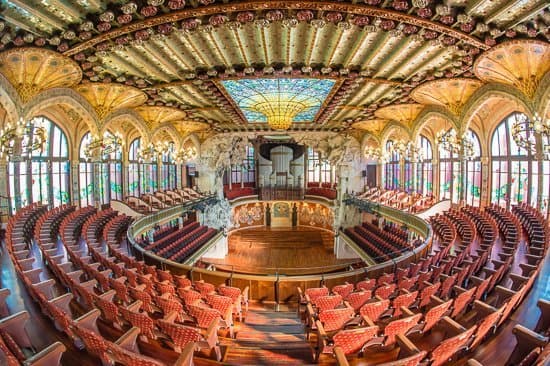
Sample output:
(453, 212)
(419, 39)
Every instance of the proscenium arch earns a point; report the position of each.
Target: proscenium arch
(63, 96)
(490, 91)
(429, 113)
(131, 116)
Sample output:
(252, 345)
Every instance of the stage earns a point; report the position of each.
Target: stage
(287, 251)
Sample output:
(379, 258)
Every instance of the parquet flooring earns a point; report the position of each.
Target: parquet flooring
(288, 251)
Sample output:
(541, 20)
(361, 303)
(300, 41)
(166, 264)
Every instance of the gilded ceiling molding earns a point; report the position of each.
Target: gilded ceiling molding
(429, 113)
(365, 140)
(274, 5)
(131, 116)
(32, 70)
(497, 91)
(63, 96)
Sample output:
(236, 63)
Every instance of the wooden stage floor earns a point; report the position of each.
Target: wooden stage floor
(288, 251)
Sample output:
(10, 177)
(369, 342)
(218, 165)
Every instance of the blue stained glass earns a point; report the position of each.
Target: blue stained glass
(248, 93)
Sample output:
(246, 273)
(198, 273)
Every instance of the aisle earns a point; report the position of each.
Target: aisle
(269, 338)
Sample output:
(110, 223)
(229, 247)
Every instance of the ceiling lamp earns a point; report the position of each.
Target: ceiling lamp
(456, 145)
(186, 154)
(101, 148)
(375, 154)
(32, 139)
(408, 150)
(524, 131)
(280, 113)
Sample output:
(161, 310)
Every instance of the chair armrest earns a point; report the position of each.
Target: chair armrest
(340, 356)
(89, 320)
(544, 320)
(129, 340)
(473, 362)
(526, 336)
(483, 308)
(63, 302)
(108, 295)
(15, 325)
(49, 356)
(211, 335)
(451, 326)
(46, 288)
(406, 347)
(368, 321)
(186, 356)
(135, 306)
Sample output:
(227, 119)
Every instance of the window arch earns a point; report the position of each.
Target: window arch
(110, 186)
(424, 173)
(168, 169)
(473, 172)
(142, 176)
(392, 167)
(318, 170)
(545, 192)
(514, 170)
(44, 176)
(85, 174)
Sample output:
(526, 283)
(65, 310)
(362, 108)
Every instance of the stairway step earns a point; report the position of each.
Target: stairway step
(251, 335)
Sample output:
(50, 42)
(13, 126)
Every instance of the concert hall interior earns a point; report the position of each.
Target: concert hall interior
(284, 182)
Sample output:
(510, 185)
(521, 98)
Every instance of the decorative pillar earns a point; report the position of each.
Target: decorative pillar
(96, 179)
(435, 175)
(4, 191)
(401, 172)
(540, 157)
(242, 176)
(75, 192)
(485, 182)
(229, 169)
(414, 172)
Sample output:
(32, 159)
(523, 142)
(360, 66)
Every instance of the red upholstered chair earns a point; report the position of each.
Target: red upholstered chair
(399, 326)
(313, 293)
(358, 299)
(406, 300)
(204, 288)
(343, 290)
(447, 286)
(449, 347)
(142, 321)
(336, 319)
(462, 300)
(406, 283)
(4, 311)
(323, 303)
(350, 341)
(385, 291)
(368, 284)
(235, 294)
(168, 304)
(165, 287)
(189, 297)
(375, 310)
(138, 293)
(204, 316)
(489, 320)
(119, 285)
(93, 342)
(109, 309)
(181, 281)
(427, 292)
(385, 278)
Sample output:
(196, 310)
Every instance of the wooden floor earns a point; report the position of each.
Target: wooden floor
(287, 251)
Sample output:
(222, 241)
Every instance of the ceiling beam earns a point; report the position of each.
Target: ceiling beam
(499, 11)
(39, 14)
(528, 14)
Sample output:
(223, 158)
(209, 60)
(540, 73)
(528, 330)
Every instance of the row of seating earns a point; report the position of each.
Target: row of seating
(81, 328)
(402, 200)
(150, 202)
(461, 292)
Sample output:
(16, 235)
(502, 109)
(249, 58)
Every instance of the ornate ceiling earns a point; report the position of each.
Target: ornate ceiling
(183, 55)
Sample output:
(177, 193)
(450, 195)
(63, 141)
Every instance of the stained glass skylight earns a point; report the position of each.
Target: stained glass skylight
(261, 100)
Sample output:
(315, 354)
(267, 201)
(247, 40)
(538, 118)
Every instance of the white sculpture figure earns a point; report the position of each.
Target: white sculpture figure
(218, 215)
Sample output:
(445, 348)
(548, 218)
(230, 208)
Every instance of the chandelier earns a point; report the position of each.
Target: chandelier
(280, 112)
(408, 150)
(32, 138)
(186, 154)
(375, 154)
(524, 133)
(101, 148)
(456, 145)
(149, 153)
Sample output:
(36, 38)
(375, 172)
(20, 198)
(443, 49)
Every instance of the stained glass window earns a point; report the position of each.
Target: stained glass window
(134, 169)
(168, 169)
(424, 180)
(514, 170)
(245, 173)
(85, 175)
(44, 175)
(473, 172)
(257, 98)
(392, 169)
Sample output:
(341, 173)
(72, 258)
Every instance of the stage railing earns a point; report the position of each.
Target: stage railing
(277, 287)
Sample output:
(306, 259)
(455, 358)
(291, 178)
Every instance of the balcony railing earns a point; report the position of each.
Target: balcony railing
(280, 193)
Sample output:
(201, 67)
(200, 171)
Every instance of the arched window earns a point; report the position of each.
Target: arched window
(85, 174)
(134, 169)
(514, 170)
(44, 175)
(424, 173)
(168, 169)
(245, 173)
(110, 186)
(318, 170)
(473, 172)
(392, 167)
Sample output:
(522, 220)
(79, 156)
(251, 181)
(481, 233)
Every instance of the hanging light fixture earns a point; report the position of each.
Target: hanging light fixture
(408, 150)
(33, 138)
(101, 148)
(186, 154)
(280, 112)
(455, 144)
(376, 154)
(524, 131)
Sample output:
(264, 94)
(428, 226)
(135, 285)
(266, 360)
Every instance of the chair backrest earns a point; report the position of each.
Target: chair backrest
(327, 302)
(204, 316)
(413, 360)
(358, 299)
(446, 349)
(141, 321)
(403, 300)
(232, 292)
(385, 291)
(400, 326)
(352, 340)
(434, 314)
(335, 319)
(181, 335)
(125, 357)
(483, 328)
(374, 309)
(368, 285)
(314, 292)
(220, 303)
(462, 300)
(343, 290)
